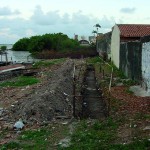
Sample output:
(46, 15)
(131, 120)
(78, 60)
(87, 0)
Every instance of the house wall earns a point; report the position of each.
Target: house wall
(146, 65)
(103, 44)
(130, 60)
(115, 46)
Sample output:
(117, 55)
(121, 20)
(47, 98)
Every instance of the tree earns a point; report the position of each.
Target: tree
(97, 27)
(94, 32)
(3, 48)
(2, 51)
(21, 45)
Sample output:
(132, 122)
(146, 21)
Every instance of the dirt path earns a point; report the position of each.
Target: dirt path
(93, 105)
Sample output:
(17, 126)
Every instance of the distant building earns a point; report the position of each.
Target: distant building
(84, 42)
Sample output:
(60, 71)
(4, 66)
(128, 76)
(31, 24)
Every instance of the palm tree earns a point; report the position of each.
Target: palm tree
(94, 32)
(97, 27)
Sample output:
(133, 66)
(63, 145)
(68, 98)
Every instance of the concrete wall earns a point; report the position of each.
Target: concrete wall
(115, 46)
(130, 60)
(103, 44)
(146, 65)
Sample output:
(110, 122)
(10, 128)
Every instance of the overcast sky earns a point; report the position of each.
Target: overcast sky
(25, 18)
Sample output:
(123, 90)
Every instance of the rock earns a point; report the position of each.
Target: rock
(147, 128)
(19, 124)
(65, 142)
(65, 123)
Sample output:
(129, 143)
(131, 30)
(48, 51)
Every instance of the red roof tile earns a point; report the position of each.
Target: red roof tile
(134, 30)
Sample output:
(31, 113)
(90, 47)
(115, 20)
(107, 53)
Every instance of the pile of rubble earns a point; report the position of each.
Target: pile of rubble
(47, 102)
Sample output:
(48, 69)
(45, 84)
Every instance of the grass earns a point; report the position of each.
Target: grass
(101, 136)
(39, 139)
(128, 91)
(20, 81)
(93, 60)
(129, 82)
(48, 63)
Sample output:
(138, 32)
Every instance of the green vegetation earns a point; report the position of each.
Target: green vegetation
(128, 91)
(101, 135)
(94, 60)
(48, 63)
(50, 46)
(20, 81)
(56, 42)
(39, 139)
(3, 48)
(129, 82)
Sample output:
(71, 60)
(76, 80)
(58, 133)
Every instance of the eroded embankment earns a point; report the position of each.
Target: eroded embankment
(48, 101)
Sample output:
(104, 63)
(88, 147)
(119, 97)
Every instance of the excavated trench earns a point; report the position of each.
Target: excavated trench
(93, 105)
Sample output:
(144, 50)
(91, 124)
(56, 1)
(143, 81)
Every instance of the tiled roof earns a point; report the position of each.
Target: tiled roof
(134, 30)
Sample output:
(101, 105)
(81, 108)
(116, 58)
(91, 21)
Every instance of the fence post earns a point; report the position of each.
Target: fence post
(103, 74)
(74, 80)
(100, 68)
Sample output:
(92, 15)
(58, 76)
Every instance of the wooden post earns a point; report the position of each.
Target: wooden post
(100, 68)
(74, 91)
(103, 73)
(6, 58)
(74, 97)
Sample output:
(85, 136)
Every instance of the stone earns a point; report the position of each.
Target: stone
(19, 124)
(147, 128)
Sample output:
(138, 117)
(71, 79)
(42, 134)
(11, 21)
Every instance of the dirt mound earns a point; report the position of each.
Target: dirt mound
(49, 101)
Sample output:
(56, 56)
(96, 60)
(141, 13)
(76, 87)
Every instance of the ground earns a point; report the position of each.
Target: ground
(46, 108)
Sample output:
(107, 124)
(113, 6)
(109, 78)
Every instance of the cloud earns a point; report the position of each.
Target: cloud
(128, 10)
(50, 18)
(51, 22)
(6, 11)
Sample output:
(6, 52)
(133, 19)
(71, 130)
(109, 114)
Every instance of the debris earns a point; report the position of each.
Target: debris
(65, 142)
(19, 124)
(64, 123)
(147, 128)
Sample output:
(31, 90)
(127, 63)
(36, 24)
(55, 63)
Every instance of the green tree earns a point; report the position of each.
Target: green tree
(56, 42)
(97, 27)
(3, 48)
(21, 45)
(94, 32)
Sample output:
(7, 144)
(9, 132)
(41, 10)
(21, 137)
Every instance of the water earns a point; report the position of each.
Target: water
(17, 56)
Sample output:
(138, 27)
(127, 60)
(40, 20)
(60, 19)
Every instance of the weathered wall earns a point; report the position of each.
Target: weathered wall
(146, 62)
(130, 59)
(103, 45)
(115, 46)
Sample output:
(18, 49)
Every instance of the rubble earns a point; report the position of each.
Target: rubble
(44, 102)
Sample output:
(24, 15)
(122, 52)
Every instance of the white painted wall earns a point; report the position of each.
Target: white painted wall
(146, 65)
(115, 46)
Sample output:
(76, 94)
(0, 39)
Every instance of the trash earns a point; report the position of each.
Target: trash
(19, 124)
(147, 128)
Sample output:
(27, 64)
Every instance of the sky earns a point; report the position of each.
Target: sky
(26, 18)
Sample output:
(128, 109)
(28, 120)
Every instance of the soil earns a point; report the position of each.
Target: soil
(51, 99)
(43, 102)
(93, 103)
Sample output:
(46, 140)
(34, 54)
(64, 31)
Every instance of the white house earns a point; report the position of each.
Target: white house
(125, 33)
